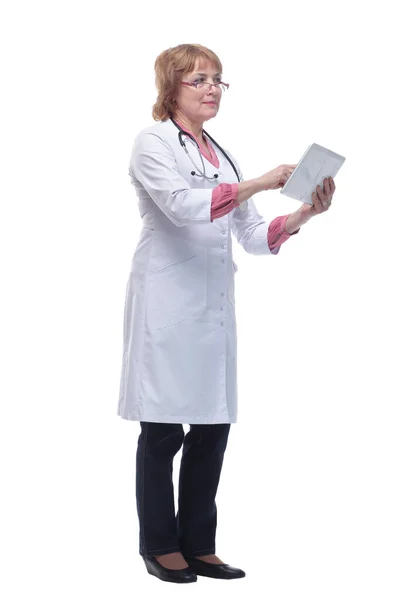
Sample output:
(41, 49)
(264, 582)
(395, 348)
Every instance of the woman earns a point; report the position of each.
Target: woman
(179, 355)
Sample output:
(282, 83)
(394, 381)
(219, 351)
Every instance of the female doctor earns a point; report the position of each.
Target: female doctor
(179, 336)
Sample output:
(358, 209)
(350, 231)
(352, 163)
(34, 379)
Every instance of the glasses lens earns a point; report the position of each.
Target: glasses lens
(203, 84)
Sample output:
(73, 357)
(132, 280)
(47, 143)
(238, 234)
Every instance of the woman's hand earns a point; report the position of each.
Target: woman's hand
(321, 198)
(277, 177)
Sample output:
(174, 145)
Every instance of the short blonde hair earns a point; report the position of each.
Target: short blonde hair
(169, 67)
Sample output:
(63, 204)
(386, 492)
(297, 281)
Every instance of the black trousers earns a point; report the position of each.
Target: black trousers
(192, 530)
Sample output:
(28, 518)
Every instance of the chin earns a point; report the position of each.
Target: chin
(211, 116)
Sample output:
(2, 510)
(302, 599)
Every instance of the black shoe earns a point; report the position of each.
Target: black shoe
(224, 571)
(186, 575)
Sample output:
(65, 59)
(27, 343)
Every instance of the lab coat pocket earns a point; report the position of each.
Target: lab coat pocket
(176, 286)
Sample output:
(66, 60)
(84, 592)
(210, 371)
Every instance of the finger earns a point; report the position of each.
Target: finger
(325, 199)
(316, 203)
(313, 200)
(320, 194)
(327, 188)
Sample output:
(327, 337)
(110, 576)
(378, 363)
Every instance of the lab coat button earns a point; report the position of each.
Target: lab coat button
(222, 322)
(222, 308)
(222, 247)
(222, 294)
(222, 260)
(224, 232)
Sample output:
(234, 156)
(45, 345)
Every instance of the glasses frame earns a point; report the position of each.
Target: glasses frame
(192, 84)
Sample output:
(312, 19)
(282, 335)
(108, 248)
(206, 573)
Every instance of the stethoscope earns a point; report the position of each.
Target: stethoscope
(203, 174)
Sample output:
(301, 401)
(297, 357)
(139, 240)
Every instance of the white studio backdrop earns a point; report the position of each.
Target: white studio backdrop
(309, 493)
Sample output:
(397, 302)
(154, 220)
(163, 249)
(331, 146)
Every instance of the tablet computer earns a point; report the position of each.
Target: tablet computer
(316, 163)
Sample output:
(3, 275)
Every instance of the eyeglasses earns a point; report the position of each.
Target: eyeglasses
(200, 84)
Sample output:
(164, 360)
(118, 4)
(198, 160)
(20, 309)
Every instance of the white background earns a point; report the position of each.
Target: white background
(308, 503)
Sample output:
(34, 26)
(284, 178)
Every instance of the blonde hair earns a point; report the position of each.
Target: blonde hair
(169, 67)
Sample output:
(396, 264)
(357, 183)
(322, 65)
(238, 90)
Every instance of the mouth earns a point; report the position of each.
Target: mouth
(211, 103)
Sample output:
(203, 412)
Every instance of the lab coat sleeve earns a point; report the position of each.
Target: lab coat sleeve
(249, 227)
(154, 166)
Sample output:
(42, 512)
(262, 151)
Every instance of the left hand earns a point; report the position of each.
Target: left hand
(321, 198)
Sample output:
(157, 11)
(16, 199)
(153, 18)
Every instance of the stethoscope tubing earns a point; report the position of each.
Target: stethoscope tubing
(183, 132)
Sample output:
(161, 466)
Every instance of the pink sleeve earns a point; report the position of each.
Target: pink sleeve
(223, 199)
(277, 234)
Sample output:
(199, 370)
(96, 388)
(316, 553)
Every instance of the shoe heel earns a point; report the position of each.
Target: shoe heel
(179, 576)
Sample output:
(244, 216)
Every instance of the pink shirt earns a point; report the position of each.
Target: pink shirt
(224, 199)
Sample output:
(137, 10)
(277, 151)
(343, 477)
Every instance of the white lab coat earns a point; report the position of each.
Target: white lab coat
(179, 334)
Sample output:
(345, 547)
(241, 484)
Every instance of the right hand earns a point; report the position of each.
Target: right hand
(277, 177)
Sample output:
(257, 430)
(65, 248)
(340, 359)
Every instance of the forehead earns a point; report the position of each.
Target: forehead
(205, 67)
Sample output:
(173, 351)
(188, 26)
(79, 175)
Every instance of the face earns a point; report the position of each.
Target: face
(194, 103)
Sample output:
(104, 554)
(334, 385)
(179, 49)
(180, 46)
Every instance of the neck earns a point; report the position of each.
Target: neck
(195, 127)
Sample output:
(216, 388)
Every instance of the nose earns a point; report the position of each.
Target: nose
(210, 85)
(213, 93)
